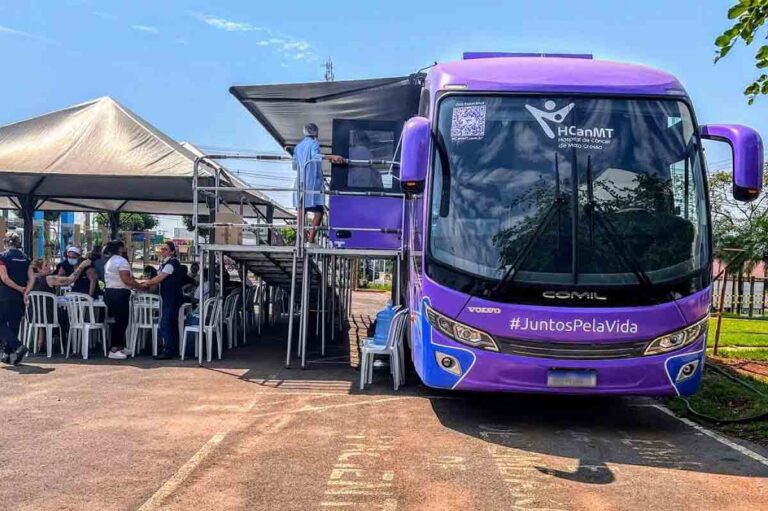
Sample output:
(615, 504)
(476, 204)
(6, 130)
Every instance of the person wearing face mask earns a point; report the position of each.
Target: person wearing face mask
(87, 282)
(119, 281)
(67, 266)
(44, 280)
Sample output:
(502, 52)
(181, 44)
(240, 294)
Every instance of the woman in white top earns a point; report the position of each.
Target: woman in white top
(119, 281)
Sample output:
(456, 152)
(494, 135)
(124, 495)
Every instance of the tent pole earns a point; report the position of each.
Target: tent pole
(270, 221)
(114, 224)
(27, 203)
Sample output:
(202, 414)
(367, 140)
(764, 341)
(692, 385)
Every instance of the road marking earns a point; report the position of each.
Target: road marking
(310, 408)
(733, 445)
(183, 473)
(659, 453)
(517, 468)
(357, 478)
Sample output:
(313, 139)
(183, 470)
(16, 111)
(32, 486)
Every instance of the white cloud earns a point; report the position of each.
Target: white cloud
(227, 25)
(283, 64)
(104, 15)
(28, 35)
(145, 28)
(296, 49)
(181, 40)
(300, 46)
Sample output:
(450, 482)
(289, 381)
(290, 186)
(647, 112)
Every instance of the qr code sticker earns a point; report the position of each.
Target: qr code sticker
(468, 122)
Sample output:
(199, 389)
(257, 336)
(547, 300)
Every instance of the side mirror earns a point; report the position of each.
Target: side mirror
(415, 154)
(747, 148)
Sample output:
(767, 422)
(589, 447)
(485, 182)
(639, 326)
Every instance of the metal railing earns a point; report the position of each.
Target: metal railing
(334, 269)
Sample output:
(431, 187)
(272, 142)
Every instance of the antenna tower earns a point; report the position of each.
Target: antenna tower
(329, 70)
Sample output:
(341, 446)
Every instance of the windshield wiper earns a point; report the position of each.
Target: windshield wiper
(554, 209)
(445, 169)
(596, 214)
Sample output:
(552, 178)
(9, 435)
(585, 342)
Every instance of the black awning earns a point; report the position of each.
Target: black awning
(284, 109)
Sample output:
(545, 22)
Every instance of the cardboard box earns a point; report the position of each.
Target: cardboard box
(226, 235)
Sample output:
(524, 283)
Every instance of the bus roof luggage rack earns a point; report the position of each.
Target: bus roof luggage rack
(472, 55)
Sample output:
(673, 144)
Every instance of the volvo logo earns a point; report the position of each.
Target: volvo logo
(573, 295)
(485, 310)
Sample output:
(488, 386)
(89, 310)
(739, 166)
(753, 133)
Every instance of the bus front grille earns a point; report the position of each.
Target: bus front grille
(571, 350)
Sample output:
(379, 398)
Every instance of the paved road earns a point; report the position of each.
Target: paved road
(245, 433)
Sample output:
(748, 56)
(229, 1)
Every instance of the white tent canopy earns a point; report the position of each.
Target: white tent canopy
(100, 156)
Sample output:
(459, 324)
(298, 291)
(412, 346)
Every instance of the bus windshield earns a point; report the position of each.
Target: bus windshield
(567, 191)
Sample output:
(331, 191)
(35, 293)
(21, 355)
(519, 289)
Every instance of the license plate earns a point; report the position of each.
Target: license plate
(564, 378)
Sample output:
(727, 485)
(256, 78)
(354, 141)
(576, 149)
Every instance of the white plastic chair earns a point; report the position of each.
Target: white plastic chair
(249, 312)
(231, 319)
(184, 311)
(42, 314)
(392, 348)
(212, 308)
(281, 300)
(145, 315)
(82, 321)
(262, 312)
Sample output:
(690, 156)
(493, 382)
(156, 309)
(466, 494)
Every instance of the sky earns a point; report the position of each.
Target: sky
(173, 61)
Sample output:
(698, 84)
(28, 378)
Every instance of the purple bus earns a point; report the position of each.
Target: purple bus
(558, 226)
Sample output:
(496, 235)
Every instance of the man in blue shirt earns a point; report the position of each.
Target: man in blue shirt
(15, 272)
(308, 159)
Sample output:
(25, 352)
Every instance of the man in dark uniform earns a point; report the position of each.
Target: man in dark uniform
(15, 272)
(171, 280)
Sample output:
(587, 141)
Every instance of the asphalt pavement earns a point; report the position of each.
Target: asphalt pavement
(247, 433)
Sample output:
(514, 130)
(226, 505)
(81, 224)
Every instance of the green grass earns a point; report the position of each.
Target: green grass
(740, 332)
(378, 287)
(723, 398)
(756, 354)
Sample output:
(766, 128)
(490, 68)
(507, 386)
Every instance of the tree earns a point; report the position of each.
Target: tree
(130, 221)
(637, 219)
(204, 232)
(749, 16)
(52, 216)
(741, 225)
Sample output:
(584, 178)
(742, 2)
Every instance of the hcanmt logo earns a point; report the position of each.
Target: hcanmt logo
(485, 310)
(572, 295)
(549, 114)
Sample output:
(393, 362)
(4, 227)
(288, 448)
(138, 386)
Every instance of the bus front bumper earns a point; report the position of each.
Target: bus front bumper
(675, 373)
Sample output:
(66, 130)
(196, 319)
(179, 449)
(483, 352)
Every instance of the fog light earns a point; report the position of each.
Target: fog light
(448, 363)
(687, 370)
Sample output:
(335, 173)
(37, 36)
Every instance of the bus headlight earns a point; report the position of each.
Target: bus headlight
(460, 332)
(679, 339)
